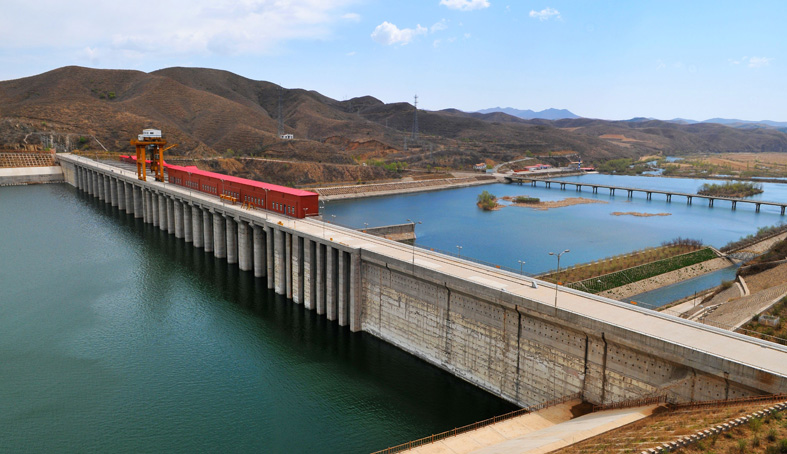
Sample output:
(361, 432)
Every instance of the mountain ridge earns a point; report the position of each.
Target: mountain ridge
(215, 113)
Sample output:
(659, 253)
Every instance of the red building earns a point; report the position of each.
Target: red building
(292, 202)
(296, 203)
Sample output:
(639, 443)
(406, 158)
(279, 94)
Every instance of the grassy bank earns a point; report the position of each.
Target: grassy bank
(625, 261)
(609, 281)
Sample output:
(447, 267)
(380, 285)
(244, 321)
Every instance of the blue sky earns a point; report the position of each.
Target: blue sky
(612, 60)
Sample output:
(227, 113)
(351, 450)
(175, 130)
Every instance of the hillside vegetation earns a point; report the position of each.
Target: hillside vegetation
(212, 113)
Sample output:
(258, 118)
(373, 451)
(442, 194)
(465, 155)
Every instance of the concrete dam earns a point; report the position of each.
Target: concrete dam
(496, 329)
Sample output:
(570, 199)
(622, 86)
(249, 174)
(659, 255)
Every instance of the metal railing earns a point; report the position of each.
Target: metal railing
(477, 425)
(730, 402)
(641, 402)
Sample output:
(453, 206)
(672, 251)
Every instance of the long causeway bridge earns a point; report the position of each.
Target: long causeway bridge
(578, 185)
(499, 330)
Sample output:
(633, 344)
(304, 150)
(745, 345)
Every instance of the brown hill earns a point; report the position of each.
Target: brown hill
(217, 113)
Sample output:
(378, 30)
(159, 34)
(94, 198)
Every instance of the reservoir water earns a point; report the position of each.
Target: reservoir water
(116, 337)
(450, 218)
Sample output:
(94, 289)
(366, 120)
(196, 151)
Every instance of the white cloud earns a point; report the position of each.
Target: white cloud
(442, 25)
(179, 27)
(752, 62)
(545, 14)
(354, 17)
(350, 54)
(465, 5)
(759, 62)
(388, 33)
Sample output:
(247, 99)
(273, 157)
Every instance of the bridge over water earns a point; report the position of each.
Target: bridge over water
(578, 185)
(499, 330)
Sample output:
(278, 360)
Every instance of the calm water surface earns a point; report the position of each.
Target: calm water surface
(115, 337)
(450, 218)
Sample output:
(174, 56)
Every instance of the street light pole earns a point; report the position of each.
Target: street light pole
(459, 248)
(521, 263)
(413, 222)
(322, 217)
(557, 274)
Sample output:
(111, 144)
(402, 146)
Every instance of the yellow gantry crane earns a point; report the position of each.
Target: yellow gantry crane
(150, 143)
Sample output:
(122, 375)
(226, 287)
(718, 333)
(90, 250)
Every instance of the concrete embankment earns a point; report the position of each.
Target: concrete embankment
(663, 280)
(400, 187)
(31, 175)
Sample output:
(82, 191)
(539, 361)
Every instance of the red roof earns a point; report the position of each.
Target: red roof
(258, 184)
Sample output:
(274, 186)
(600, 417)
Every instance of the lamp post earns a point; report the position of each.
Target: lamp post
(413, 222)
(521, 263)
(322, 218)
(459, 248)
(557, 274)
(365, 227)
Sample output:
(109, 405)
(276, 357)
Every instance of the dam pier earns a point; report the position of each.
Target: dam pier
(504, 332)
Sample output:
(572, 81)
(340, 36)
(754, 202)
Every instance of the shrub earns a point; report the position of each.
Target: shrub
(524, 199)
(487, 201)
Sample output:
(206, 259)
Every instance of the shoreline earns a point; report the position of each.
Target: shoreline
(400, 187)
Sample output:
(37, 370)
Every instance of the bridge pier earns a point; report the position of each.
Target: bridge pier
(232, 239)
(595, 189)
(669, 197)
(170, 215)
(309, 268)
(297, 269)
(710, 203)
(757, 207)
(688, 200)
(269, 256)
(188, 225)
(563, 186)
(178, 209)
(611, 191)
(207, 230)
(648, 195)
(783, 210)
(734, 203)
(278, 262)
(121, 195)
(330, 283)
(320, 287)
(579, 188)
(260, 267)
(219, 236)
(630, 193)
(288, 265)
(245, 248)
(196, 226)
(343, 273)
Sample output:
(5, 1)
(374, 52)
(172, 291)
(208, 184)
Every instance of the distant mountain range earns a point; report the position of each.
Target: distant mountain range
(213, 113)
(734, 123)
(547, 114)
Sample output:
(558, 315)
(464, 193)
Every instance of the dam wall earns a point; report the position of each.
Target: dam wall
(495, 329)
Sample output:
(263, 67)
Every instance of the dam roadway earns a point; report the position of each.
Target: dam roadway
(493, 328)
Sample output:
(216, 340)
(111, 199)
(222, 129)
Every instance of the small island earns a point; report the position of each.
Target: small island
(638, 214)
(488, 202)
(733, 189)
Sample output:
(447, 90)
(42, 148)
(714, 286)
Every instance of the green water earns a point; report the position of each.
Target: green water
(116, 337)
